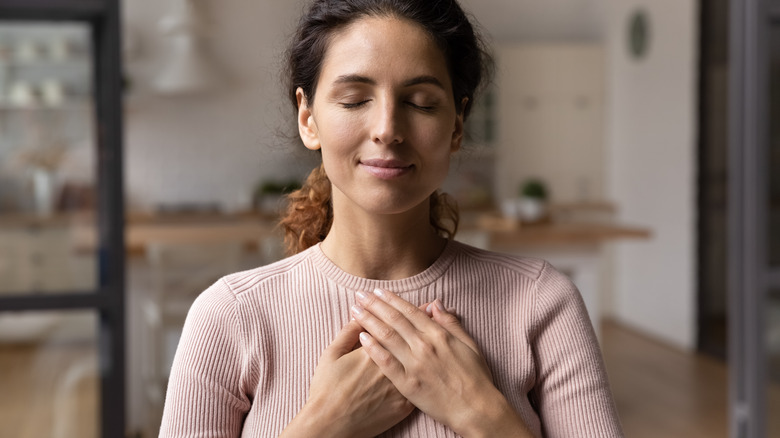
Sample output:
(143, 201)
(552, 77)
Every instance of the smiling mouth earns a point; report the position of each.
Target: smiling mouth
(386, 169)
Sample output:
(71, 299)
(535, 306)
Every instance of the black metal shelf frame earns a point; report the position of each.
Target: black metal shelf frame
(103, 18)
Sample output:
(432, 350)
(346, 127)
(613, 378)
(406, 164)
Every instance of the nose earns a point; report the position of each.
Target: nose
(387, 124)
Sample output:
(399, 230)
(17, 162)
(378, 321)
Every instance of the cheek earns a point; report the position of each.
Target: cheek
(438, 138)
(342, 132)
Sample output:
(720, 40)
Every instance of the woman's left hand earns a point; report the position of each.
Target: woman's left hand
(433, 362)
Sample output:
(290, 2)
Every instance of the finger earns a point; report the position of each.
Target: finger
(428, 308)
(387, 303)
(451, 323)
(397, 314)
(391, 367)
(383, 333)
(344, 342)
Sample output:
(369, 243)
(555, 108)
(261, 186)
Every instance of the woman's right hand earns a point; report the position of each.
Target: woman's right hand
(349, 395)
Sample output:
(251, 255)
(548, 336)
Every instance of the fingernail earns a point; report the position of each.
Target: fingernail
(440, 305)
(360, 295)
(363, 337)
(357, 310)
(429, 309)
(379, 292)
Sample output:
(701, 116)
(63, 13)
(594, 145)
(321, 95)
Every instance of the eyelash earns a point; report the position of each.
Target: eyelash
(361, 103)
(353, 105)
(422, 108)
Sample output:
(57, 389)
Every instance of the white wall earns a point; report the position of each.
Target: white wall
(209, 148)
(551, 119)
(540, 21)
(651, 141)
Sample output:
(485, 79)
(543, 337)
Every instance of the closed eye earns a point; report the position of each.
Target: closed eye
(349, 105)
(426, 108)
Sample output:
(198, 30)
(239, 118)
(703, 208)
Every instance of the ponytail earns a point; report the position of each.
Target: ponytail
(309, 213)
(444, 216)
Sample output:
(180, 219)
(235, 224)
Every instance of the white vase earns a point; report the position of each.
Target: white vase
(531, 209)
(509, 208)
(43, 192)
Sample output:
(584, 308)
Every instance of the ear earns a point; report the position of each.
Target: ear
(307, 127)
(457, 133)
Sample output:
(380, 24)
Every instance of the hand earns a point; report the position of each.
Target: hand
(349, 395)
(434, 363)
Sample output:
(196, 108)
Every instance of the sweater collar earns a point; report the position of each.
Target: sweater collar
(415, 282)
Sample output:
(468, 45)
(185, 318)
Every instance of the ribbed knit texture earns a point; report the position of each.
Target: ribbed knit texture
(252, 340)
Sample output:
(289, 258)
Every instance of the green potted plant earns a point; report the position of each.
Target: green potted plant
(532, 205)
(268, 194)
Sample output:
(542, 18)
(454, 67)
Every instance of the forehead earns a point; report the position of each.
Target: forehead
(384, 48)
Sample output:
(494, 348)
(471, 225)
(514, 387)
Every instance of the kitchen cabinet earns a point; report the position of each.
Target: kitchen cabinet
(43, 259)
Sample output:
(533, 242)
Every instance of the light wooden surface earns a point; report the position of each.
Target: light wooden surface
(559, 234)
(250, 228)
(31, 381)
(661, 391)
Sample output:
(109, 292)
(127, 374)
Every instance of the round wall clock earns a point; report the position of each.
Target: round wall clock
(639, 34)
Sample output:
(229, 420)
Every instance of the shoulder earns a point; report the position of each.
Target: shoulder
(549, 286)
(528, 267)
(224, 306)
(240, 283)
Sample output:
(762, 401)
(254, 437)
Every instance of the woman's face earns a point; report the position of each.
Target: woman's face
(383, 116)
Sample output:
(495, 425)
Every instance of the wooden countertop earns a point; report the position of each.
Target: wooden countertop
(250, 228)
(504, 233)
(564, 234)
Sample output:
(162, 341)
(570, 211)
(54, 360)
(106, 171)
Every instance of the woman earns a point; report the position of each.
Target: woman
(350, 336)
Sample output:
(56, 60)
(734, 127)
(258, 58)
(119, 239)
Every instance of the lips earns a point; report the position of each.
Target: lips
(386, 168)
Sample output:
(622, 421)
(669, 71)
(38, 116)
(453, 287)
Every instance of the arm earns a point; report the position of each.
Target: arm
(204, 394)
(436, 365)
(571, 393)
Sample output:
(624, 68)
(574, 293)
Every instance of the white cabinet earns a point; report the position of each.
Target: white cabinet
(43, 259)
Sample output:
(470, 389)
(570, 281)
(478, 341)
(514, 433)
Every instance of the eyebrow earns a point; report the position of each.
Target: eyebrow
(355, 78)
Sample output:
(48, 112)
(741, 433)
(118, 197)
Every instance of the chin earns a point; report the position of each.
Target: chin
(395, 206)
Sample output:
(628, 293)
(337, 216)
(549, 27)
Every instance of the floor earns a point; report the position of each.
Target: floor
(660, 391)
(48, 392)
(663, 392)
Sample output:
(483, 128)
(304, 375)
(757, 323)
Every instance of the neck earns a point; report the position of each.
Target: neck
(383, 247)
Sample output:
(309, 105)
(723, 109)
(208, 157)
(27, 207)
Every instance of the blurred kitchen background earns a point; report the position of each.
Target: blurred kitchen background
(602, 145)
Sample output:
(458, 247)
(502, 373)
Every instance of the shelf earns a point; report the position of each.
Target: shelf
(73, 104)
(43, 62)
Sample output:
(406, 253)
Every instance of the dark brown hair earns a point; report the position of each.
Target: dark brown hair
(309, 214)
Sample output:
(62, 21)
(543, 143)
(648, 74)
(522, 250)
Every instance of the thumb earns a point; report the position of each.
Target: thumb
(344, 341)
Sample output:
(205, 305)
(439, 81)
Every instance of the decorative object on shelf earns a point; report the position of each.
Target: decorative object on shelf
(21, 95)
(52, 93)
(269, 194)
(27, 50)
(42, 163)
(532, 205)
(188, 69)
(639, 34)
(43, 191)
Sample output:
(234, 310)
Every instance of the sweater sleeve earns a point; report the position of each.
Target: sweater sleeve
(205, 397)
(571, 394)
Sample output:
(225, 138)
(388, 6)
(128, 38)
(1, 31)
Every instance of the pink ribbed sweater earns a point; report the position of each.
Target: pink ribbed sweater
(252, 340)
